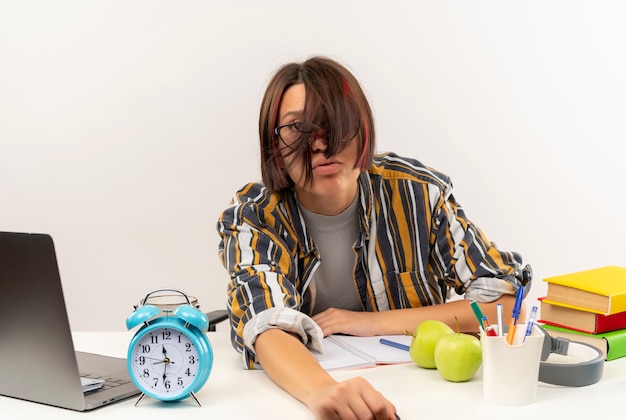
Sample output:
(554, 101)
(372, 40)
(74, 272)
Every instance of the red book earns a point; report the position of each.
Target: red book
(580, 320)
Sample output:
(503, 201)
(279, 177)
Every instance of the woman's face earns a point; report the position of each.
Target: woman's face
(334, 183)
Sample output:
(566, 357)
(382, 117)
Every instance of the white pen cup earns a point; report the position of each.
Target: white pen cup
(511, 371)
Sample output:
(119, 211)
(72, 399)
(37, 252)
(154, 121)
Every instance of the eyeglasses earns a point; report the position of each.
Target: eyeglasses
(292, 132)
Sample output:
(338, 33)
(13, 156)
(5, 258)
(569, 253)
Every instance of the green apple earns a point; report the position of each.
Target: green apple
(427, 333)
(458, 357)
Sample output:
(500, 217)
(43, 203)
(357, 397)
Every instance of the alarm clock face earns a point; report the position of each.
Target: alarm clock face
(164, 362)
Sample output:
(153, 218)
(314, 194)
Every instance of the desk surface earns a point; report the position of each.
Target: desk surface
(417, 393)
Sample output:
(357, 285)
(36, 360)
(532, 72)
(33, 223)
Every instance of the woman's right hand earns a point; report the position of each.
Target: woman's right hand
(354, 398)
(292, 366)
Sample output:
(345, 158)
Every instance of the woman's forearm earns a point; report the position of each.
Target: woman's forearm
(290, 364)
(401, 321)
(286, 361)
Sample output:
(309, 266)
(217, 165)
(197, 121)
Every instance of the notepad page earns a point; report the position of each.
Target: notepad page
(336, 356)
(349, 352)
(380, 353)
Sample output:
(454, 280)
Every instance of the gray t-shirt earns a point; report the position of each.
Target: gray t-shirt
(333, 283)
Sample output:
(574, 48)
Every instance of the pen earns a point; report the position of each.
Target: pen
(477, 312)
(500, 320)
(394, 344)
(515, 315)
(490, 332)
(485, 322)
(531, 322)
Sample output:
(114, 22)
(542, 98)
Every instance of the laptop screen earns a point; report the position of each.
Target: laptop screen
(37, 357)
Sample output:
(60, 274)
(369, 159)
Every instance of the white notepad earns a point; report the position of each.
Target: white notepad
(350, 352)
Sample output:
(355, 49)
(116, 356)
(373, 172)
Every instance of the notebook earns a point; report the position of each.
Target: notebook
(37, 358)
(350, 352)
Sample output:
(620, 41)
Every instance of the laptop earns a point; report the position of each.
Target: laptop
(37, 358)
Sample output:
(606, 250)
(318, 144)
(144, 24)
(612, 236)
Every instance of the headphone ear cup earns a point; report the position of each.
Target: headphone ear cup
(193, 316)
(143, 314)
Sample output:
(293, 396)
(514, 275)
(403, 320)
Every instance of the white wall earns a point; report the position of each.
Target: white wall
(126, 126)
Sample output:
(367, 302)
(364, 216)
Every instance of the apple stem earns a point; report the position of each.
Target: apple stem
(458, 329)
(408, 333)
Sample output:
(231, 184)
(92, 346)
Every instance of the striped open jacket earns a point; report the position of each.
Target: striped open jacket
(415, 244)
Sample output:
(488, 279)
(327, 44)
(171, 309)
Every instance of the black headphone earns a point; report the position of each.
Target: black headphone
(574, 363)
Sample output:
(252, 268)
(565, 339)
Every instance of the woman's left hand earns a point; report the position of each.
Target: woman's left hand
(335, 321)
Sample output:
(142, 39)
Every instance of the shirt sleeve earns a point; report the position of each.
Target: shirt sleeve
(472, 264)
(286, 319)
(257, 253)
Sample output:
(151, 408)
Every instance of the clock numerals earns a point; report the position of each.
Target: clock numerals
(166, 383)
(164, 336)
(165, 361)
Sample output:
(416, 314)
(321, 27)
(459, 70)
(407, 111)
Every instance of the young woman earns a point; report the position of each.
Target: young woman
(338, 239)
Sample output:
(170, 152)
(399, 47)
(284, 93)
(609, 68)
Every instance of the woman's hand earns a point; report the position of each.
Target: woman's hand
(287, 361)
(334, 321)
(351, 399)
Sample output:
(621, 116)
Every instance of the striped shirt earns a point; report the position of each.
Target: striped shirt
(415, 243)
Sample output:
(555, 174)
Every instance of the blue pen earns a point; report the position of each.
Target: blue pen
(394, 344)
(531, 322)
(515, 315)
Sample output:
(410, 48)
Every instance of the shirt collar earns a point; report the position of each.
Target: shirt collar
(295, 216)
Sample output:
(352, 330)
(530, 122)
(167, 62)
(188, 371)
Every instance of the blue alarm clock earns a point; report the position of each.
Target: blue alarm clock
(170, 357)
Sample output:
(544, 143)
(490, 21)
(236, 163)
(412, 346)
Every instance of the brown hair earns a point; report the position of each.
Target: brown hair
(334, 101)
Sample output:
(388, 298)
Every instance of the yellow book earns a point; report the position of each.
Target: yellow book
(600, 290)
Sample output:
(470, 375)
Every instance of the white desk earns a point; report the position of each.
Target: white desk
(232, 392)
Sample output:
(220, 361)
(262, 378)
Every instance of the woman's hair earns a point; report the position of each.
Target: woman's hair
(335, 103)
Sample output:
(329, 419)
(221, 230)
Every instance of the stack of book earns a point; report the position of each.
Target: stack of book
(588, 307)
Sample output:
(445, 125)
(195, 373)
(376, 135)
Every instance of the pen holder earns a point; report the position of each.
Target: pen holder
(511, 372)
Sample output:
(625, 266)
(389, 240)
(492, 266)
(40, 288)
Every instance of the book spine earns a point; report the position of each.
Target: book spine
(610, 322)
(617, 303)
(617, 346)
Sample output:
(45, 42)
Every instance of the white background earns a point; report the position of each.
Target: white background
(126, 126)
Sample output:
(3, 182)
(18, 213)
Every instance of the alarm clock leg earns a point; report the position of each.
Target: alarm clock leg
(139, 399)
(195, 398)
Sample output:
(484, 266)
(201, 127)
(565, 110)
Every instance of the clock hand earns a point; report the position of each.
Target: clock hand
(154, 358)
(167, 361)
